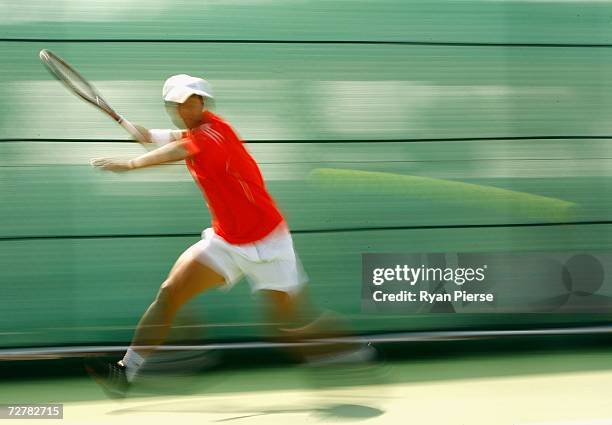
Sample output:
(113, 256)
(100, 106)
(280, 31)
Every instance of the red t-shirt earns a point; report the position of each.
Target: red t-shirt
(242, 209)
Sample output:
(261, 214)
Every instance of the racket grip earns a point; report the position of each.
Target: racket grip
(133, 131)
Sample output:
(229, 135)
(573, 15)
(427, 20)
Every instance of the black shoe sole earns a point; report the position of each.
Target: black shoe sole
(93, 368)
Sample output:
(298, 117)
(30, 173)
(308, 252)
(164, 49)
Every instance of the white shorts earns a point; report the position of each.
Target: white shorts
(270, 263)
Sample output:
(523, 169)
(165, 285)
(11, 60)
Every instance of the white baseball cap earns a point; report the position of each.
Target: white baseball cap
(179, 87)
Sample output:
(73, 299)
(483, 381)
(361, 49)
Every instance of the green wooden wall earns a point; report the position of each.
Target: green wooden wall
(509, 94)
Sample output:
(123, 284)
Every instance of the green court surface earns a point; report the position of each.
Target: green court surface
(568, 387)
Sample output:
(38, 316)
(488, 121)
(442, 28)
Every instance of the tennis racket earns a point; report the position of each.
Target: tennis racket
(78, 85)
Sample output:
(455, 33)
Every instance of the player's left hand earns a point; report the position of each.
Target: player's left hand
(111, 164)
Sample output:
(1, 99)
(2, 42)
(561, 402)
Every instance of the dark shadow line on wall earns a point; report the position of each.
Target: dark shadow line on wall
(324, 231)
(337, 141)
(336, 42)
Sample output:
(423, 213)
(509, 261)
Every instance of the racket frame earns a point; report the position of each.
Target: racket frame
(50, 59)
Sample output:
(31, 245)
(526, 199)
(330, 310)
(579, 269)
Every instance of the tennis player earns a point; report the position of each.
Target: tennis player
(249, 236)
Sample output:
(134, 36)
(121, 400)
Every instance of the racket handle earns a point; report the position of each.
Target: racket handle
(133, 131)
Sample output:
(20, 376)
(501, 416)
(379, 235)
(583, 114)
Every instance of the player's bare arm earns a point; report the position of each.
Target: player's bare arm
(173, 151)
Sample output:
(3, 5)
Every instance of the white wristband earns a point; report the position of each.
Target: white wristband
(163, 137)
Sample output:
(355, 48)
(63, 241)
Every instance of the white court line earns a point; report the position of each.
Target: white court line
(21, 353)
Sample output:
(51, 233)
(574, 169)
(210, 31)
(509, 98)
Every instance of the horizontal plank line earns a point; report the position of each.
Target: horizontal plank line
(315, 231)
(327, 141)
(331, 162)
(315, 42)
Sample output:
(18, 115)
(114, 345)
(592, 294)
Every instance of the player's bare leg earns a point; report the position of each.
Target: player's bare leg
(187, 278)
